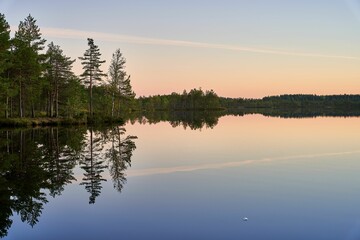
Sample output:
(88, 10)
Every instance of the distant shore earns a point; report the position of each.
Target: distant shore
(202, 104)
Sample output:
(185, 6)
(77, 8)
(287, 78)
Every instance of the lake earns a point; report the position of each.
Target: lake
(227, 177)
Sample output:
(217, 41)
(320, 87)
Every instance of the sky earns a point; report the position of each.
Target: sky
(238, 48)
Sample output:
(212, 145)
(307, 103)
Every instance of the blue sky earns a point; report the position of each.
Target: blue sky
(176, 45)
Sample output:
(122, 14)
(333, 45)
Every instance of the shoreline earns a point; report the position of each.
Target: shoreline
(47, 121)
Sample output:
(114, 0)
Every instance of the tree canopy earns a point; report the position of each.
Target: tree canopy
(38, 80)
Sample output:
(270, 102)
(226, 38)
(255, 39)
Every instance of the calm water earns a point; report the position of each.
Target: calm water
(292, 179)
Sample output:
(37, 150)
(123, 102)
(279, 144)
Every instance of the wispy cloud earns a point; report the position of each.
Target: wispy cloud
(77, 34)
(208, 166)
(190, 168)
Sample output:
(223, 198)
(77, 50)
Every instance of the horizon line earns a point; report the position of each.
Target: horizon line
(275, 95)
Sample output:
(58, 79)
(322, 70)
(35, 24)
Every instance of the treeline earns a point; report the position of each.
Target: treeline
(312, 101)
(37, 80)
(195, 99)
(304, 101)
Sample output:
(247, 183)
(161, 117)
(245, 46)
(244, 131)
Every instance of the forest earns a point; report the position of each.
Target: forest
(37, 82)
(197, 99)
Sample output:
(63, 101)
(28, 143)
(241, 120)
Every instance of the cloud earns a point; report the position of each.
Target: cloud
(190, 168)
(77, 34)
(222, 165)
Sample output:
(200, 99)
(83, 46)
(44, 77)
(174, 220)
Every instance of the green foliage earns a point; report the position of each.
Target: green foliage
(33, 83)
(74, 99)
(196, 99)
(295, 101)
(120, 86)
(91, 62)
(28, 64)
(4, 44)
(5, 64)
(58, 73)
(92, 74)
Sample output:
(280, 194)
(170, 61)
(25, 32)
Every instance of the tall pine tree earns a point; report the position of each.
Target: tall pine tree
(58, 73)
(4, 43)
(119, 81)
(28, 63)
(4, 62)
(92, 74)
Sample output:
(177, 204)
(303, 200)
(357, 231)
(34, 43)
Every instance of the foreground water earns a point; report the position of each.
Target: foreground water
(291, 179)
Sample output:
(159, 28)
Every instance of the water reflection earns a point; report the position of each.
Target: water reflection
(38, 163)
(209, 119)
(119, 155)
(93, 165)
(187, 119)
(34, 162)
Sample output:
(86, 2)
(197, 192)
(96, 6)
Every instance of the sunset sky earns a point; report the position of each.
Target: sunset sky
(242, 48)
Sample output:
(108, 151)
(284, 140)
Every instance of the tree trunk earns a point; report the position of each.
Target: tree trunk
(119, 100)
(91, 106)
(11, 108)
(32, 110)
(20, 101)
(7, 107)
(57, 101)
(47, 105)
(56, 94)
(50, 105)
(7, 143)
(113, 105)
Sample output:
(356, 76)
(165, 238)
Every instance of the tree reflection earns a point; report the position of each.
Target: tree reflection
(187, 119)
(61, 160)
(119, 156)
(38, 163)
(93, 165)
(23, 177)
(197, 120)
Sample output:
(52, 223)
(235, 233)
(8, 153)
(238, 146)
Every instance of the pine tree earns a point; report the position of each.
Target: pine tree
(119, 81)
(92, 74)
(4, 42)
(4, 61)
(28, 62)
(58, 73)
